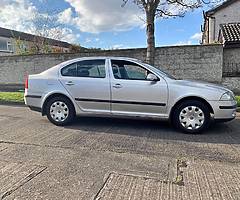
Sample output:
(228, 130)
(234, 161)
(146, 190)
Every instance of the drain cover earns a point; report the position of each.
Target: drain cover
(13, 175)
(120, 186)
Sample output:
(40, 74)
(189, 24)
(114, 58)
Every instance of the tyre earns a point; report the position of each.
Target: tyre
(191, 116)
(60, 111)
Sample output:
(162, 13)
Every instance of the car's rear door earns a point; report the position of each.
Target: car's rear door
(132, 94)
(87, 81)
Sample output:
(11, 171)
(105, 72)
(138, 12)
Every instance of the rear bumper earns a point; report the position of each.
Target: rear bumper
(37, 109)
(32, 101)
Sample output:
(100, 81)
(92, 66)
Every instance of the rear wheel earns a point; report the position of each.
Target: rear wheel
(60, 111)
(191, 116)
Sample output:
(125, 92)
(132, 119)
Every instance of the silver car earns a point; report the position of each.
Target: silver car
(116, 86)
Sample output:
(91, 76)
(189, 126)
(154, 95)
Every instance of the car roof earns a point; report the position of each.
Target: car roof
(105, 57)
(98, 57)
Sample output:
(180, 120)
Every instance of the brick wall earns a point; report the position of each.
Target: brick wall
(231, 69)
(231, 62)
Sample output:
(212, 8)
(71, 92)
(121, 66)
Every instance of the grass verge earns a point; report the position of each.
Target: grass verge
(238, 100)
(12, 97)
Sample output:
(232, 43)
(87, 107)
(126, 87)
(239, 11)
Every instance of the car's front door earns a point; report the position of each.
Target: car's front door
(88, 83)
(133, 94)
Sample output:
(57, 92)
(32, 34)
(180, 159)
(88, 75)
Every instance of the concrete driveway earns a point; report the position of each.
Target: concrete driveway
(101, 158)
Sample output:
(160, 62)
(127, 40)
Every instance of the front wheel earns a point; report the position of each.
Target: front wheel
(191, 116)
(60, 111)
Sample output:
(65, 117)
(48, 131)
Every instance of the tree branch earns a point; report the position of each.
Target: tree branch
(156, 3)
(140, 3)
(124, 3)
(181, 3)
(144, 3)
(162, 13)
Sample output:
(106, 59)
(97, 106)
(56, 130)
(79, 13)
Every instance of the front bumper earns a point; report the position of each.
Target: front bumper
(224, 110)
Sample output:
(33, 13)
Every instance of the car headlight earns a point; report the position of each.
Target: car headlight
(228, 96)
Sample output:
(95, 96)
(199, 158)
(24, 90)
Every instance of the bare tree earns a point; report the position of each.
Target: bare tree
(46, 25)
(163, 8)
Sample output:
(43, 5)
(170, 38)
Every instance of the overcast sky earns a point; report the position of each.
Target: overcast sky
(102, 23)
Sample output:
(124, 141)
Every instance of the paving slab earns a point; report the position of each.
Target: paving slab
(3, 147)
(202, 180)
(212, 180)
(13, 175)
(127, 186)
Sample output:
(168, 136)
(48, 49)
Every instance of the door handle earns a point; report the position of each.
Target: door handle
(118, 85)
(69, 83)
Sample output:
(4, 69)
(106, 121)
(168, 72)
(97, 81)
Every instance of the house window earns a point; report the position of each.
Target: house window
(5, 46)
(9, 46)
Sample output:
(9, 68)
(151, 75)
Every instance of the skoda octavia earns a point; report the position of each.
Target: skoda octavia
(116, 86)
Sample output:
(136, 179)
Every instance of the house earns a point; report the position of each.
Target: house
(14, 42)
(229, 35)
(218, 20)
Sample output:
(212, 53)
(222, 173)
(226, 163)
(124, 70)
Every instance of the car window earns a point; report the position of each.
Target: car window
(86, 68)
(91, 68)
(70, 70)
(135, 72)
(128, 70)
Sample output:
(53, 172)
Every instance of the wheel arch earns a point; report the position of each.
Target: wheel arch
(53, 95)
(191, 98)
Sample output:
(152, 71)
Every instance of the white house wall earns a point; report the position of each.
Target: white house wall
(229, 14)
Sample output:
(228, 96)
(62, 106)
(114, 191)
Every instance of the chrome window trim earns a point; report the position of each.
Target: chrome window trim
(80, 60)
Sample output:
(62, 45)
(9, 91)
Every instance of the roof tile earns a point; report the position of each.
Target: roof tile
(231, 32)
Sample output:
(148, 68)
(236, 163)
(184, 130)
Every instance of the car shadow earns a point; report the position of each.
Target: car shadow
(223, 133)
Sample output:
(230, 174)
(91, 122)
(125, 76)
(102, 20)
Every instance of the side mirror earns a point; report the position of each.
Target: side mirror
(152, 77)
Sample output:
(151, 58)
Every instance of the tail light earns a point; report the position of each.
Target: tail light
(26, 82)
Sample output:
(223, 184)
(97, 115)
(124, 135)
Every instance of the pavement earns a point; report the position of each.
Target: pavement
(103, 158)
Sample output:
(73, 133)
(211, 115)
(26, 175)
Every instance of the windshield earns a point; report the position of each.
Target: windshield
(159, 71)
(166, 74)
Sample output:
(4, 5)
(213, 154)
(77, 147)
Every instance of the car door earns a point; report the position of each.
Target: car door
(87, 81)
(132, 94)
